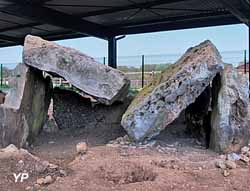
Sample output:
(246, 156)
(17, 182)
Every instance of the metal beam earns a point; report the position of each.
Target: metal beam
(11, 39)
(144, 5)
(242, 13)
(52, 37)
(19, 27)
(174, 19)
(4, 45)
(62, 36)
(177, 25)
(112, 52)
(41, 14)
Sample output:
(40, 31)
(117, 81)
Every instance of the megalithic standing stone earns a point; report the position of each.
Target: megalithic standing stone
(24, 110)
(160, 103)
(104, 83)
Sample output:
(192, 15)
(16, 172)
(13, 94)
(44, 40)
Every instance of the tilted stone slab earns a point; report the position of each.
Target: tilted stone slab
(160, 103)
(24, 110)
(230, 118)
(104, 83)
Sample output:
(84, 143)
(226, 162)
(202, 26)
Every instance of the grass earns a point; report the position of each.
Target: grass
(133, 92)
(4, 86)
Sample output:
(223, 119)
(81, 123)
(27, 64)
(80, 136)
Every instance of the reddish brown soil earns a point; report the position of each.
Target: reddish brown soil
(7, 168)
(179, 164)
(106, 168)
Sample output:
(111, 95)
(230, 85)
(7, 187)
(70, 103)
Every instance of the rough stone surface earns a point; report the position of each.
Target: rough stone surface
(23, 113)
(244, 158)
(40, 181)
(104, 83)
(226, 173)
(160, 103)
(81, 148)
(244, 150)
(48, 180)
(9, 151)
(230, 164)
(231, 113)
(50, 125)
(72, 111)
(220, 164)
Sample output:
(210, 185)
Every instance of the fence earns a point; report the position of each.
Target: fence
(139, 69)
(5, 74)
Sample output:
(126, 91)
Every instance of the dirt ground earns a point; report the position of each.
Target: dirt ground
(172, 162)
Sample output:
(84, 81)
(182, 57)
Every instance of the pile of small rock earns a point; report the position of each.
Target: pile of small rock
(228, 162)
(125, 142)
(49, 179)
(22, 160)
(225, 165)
(45, 180)
(245, 154)
(120, 141)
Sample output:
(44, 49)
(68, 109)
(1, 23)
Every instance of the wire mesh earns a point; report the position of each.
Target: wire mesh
(132, 66)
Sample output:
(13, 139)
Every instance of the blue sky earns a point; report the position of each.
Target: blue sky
(226, 38)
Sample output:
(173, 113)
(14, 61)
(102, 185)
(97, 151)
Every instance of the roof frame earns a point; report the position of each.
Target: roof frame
(243, 16)
(11, 39)
(38, 13)
(16, 41)
(145, 5)
(201, 21)
(174, 19)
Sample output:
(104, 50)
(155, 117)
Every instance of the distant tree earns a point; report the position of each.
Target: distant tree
(127, 69)
(161, 67)
(123, 68)
(147, 68)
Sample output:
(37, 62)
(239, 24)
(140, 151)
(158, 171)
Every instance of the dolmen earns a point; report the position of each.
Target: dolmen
(23, 110)
(213, 95)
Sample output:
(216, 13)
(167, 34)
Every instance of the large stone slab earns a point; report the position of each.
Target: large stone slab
(180, 84)
(231, 112)
(25, 107)
(104, 83)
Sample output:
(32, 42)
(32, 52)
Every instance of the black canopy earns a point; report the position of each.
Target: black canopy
(63, 19)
